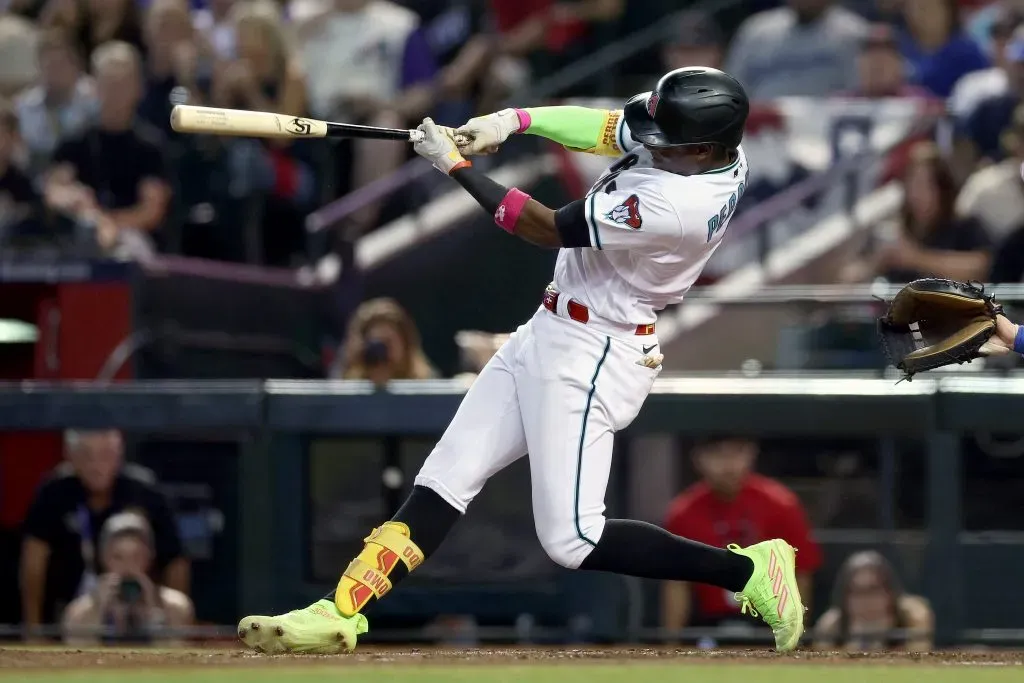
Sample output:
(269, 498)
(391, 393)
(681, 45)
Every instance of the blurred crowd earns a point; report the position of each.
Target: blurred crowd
(87, 157)
(88, 162)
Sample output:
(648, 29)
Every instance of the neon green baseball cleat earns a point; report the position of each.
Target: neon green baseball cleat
(772, 592)
(318, 629)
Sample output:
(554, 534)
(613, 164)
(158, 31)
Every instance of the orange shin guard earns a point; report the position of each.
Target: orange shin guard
(367, 576)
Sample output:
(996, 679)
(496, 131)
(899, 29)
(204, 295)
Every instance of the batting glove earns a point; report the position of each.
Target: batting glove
(439, 148)
(486, 133)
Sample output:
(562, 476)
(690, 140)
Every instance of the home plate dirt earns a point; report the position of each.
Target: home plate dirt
(56, 658)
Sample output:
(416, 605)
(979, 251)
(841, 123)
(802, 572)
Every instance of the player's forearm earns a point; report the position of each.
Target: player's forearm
(577, 128)
(513, 210)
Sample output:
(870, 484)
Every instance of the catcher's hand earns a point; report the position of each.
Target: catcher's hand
(1002, 341)
(934, 322)
(484, 134)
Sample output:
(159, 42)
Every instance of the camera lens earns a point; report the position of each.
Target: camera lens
(130, 591)
(375, 352)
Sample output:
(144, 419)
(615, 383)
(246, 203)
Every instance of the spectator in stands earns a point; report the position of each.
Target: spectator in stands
(549, 35)
(997, 197)
(980, 23)
(868, 604)
(976, 86)
(928, 239)
(383, 344)
(126, 605)
(59, 554)
(266, 76)
(807, 48)
(1008, 264)
(732, 504)
(935, 46)
(388, 81)
(881, 71)
(19, 201)
(95, 22)
(464, 49)
(62, 105)
(113, 178)
(18, 68)
(982, 130)
(215, 25)
(697, 42)
(994, 194)
(174, 72)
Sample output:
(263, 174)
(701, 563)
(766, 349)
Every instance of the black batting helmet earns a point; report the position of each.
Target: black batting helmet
(694, 105)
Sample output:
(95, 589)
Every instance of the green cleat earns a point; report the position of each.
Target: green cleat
(318, 629)
(772, 592)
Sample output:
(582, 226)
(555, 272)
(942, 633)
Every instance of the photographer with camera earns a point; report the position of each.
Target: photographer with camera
(125, 605)
(383, 344)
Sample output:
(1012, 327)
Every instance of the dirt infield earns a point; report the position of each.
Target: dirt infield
(55, 658)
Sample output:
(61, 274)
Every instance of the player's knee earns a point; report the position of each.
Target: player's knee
(568, 544)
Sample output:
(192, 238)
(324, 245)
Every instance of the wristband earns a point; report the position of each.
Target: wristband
(509, 209)
(524, 120)
(1018, 341)
(465, 163)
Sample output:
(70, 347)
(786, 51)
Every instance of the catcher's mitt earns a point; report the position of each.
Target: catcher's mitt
(934, 322)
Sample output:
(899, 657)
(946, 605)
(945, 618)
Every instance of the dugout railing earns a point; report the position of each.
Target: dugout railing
(935, 410)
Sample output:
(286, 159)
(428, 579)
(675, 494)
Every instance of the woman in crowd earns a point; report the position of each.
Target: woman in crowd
(937, 49)
(174, 62)
(265, 75)
(871, 611)
(383, 344)
(927, 239)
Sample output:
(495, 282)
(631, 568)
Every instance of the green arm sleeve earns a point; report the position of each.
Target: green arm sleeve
(577, 128)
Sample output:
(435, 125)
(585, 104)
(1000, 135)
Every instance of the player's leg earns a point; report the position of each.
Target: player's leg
(570, 413)
(485, 436)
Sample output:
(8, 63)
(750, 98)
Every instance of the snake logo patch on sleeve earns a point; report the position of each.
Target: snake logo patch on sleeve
(627, 213)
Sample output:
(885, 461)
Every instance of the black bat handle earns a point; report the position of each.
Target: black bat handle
(352, 130)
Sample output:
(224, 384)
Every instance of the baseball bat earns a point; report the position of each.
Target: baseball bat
(260, 124)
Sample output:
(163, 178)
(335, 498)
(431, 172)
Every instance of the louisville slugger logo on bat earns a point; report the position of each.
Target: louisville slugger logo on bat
(299, 126)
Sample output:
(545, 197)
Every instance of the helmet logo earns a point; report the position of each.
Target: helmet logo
(652, 103)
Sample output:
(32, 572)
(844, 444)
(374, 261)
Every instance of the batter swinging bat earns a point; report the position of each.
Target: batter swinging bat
(259, 124)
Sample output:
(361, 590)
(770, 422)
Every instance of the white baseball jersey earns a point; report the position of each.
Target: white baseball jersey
(560, 388)
(651, 232)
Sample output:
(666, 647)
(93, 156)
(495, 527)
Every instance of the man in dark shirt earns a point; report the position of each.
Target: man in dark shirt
(18, 199)
(59, 558)
(984, 127)
(113, 176)
(1008, 264)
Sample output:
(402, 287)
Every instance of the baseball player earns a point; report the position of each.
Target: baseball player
(580, 369)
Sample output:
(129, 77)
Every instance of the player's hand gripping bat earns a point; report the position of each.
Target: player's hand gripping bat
(259, 124)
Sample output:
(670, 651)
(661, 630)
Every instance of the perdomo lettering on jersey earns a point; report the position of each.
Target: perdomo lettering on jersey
(720, 219)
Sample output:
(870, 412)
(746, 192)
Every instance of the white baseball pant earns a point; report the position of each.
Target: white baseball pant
(558, 390)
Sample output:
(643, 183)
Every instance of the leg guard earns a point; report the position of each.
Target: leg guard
(367, 575)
